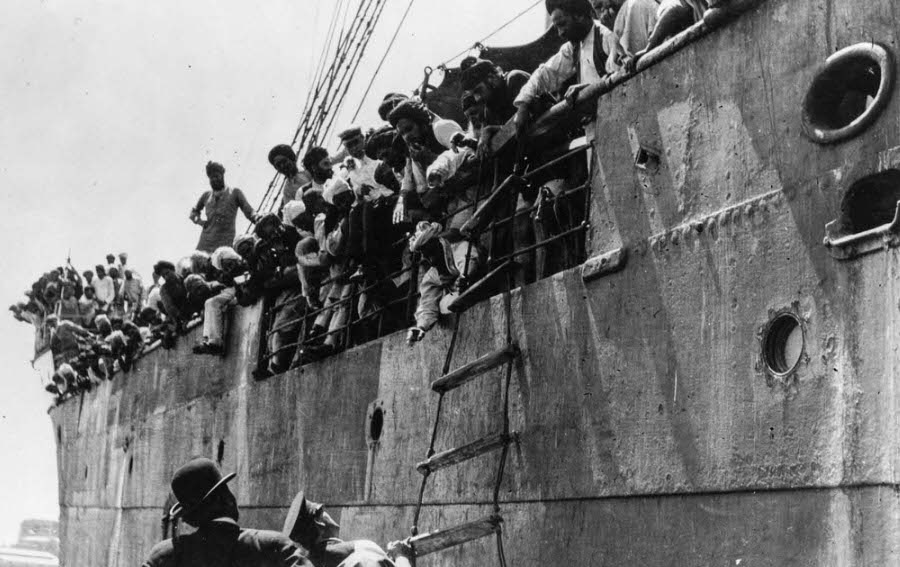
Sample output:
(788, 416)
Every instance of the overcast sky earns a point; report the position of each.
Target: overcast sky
(109, 111)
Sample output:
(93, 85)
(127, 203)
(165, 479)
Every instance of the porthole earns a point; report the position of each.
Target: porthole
(783, 344)
(870, 202)
(848, 93)
(376, 424)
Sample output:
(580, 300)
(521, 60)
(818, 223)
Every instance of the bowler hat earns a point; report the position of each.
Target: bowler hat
(193, 484)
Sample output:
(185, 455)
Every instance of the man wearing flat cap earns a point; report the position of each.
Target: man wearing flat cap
(370, 219)
(221, 205)
(359, 169)
(284, 160)
(591, 52)
(309, 525)
(205, 502)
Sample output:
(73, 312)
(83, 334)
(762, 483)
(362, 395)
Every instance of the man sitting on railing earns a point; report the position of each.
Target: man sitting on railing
(591, 52)
(199, 291)
(230, 266)
(451, 261)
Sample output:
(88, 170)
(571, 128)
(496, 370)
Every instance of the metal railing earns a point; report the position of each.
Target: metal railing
(498, 238)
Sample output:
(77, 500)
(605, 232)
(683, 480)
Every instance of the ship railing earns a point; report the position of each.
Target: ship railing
(496, 238)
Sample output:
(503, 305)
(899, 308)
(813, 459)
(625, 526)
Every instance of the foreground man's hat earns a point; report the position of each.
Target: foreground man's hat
(193, 484)
(298, 525)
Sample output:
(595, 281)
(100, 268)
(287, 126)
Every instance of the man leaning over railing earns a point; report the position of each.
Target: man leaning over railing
(591, 52)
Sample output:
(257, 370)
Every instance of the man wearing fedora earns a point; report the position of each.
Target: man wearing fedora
(309, 525)
(205, 502)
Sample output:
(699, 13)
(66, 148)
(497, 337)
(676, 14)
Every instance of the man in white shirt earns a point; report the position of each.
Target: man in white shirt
(104, 287)
(370, 220)
(591, 52)
(359, 169)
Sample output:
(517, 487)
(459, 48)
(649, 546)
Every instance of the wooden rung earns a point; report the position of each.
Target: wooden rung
(478, 290)
(451, 537)
(472, 370)
(464, 453)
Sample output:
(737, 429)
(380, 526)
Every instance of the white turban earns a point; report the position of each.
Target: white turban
(224, 253)
(292, 210)
(335, 187)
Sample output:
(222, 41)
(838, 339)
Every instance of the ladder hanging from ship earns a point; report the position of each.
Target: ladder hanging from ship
(437, 540)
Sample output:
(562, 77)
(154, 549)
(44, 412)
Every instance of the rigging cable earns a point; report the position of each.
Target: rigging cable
(493, 33)
(381, 63)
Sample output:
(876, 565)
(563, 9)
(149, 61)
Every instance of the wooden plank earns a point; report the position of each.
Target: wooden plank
(472, 370)
(478, 290)
(459, 454)
(439, 540)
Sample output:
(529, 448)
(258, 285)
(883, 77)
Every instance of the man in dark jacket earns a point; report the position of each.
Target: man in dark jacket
(309, 525)
(205, 502)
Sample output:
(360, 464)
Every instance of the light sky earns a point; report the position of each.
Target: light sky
(109, 111)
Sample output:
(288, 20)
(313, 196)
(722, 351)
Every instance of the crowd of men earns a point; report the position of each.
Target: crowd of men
(352, 229)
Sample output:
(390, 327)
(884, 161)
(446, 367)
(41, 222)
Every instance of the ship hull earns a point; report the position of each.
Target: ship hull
(649, 430)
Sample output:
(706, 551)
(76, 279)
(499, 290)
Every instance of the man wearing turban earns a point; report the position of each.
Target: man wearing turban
(221, 205)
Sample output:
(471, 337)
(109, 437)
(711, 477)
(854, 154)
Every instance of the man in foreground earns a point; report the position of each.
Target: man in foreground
(205, 502)
(309, 525)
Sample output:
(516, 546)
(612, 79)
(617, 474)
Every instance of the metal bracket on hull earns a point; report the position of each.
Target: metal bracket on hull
(848, 247)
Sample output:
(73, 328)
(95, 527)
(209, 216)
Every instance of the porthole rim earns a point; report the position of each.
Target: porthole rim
(764, 336)
(885, 61)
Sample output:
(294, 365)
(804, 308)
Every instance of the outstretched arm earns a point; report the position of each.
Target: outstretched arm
(245, 206)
